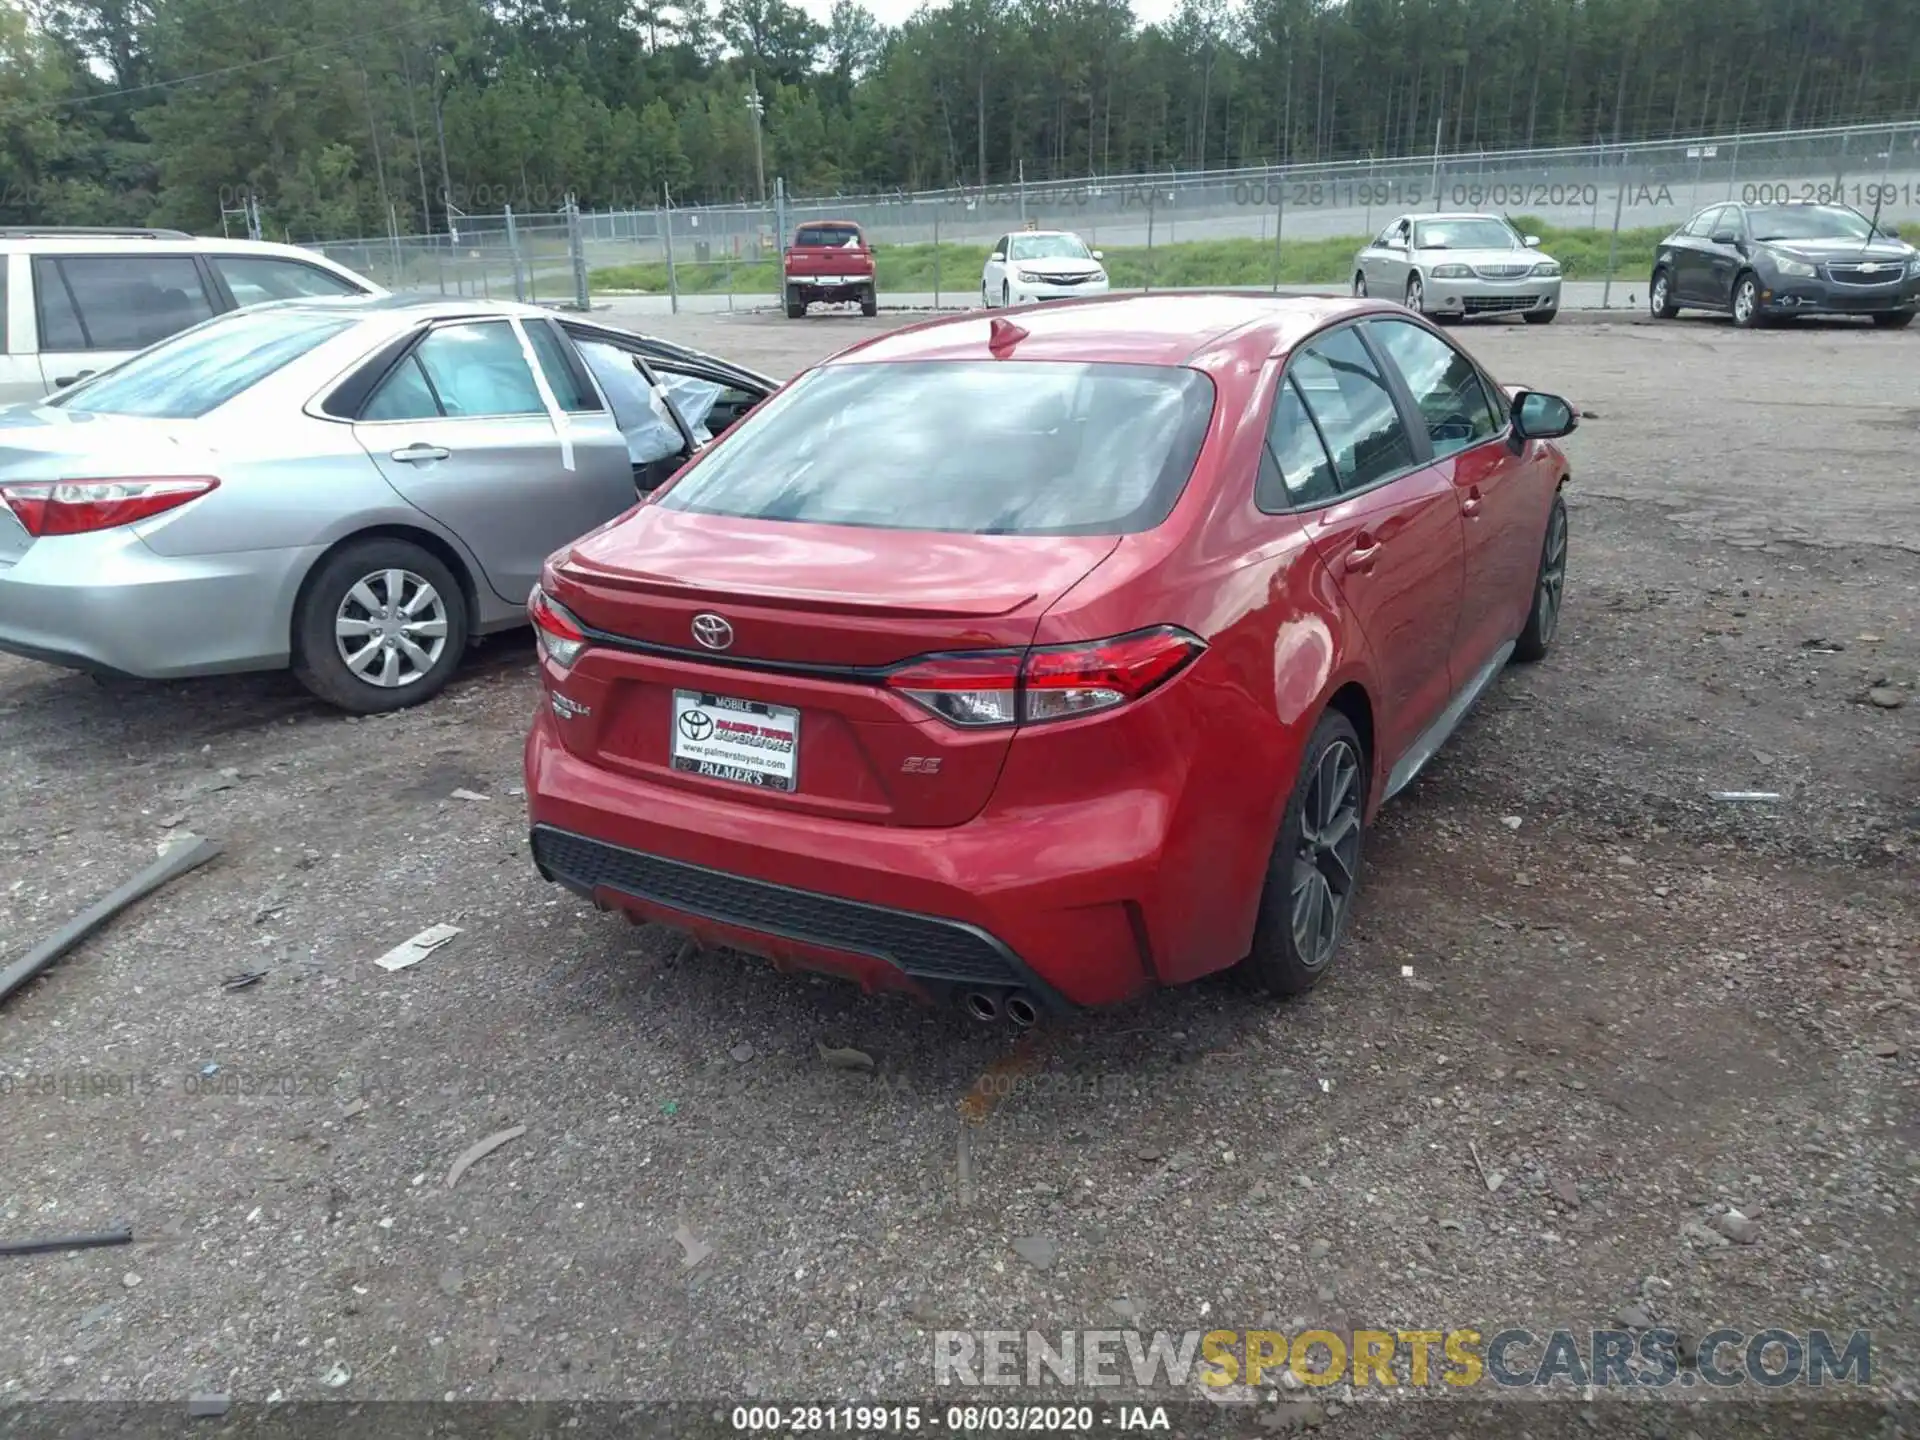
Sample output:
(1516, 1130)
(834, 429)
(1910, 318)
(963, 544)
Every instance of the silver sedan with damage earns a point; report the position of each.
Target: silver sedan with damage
(1460, 265)
(355, 488)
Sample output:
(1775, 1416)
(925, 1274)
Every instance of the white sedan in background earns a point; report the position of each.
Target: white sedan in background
(1459, 265)
(1033, 265)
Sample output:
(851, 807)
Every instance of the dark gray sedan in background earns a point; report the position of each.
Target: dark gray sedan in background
(1760, 263)
(353, 488)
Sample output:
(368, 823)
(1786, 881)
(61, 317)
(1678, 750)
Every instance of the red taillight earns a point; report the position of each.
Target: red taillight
(76, 507)
(1073, 681)
(1053, 683)
(561, 636)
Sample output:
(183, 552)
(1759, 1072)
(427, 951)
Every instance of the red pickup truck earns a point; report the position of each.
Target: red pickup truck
(829, 261)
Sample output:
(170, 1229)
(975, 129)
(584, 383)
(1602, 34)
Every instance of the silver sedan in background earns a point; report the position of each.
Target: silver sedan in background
(355, 488)
(1460, 265)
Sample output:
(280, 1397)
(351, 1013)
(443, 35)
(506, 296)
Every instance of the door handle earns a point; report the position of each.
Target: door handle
(1471, 505)
(1360, 559)
(65, 380)
(415, 454)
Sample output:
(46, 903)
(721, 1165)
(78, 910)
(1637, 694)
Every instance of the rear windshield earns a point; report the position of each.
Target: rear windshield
(191, 373)
(842, 235)
(978, 448)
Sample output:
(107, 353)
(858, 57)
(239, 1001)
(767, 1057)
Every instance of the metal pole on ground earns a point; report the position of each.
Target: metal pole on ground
(936, 259)
(1023, 193)
(513, 254)
(666, 230)
(577, 248)
(1279, 225)
(1613, 240)
(1438, 124)
(780, 235)
(1150, 188)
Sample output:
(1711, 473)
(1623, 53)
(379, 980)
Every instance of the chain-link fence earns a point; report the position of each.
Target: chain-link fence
(1610, 201)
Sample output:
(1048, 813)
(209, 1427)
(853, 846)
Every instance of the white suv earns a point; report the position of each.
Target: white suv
(74, 301)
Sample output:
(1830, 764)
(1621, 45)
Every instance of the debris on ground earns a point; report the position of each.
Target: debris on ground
(182, 853)
(207, 1407)
(846, 1058)
(243, 979)
(358, 1107)
(338, 1376)
(1512, 822)
(1565, 1190)
(1885, 697)
(1037, 1250)
(743, 1052)
(1886, 1050)
(1744, 796)
(1737, 1227)
(469, 795)
(131, 1280)
(479, 1151)
(1490, 1178)
(692, 1248)
(413, 951)
(66, 1242)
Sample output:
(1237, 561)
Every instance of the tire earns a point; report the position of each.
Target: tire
(1660, 296)
(1894, 320)
(986, 300)
(869, 302)
(1746, 301)
(1416, 295)
(1329, 795)
(337, 595)
(1549, 590)
(1006, 294)
(796, 307)
(1539, 317)
(1359, 286)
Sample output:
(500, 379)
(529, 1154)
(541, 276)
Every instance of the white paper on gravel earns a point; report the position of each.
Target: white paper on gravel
(418, 948)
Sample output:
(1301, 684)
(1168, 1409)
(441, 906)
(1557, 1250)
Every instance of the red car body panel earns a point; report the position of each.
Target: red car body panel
(1101, 855)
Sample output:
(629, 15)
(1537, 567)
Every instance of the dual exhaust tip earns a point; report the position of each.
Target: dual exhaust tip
(1016, 1007)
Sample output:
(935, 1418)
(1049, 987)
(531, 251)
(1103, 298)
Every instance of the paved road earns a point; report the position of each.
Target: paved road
(1583, 295)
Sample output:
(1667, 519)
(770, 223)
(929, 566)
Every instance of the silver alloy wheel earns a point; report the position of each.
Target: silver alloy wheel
(1657, 300)
(1327, 863)
(1745, 297)
(391, 628)
(1416, 295)
(1553, 577)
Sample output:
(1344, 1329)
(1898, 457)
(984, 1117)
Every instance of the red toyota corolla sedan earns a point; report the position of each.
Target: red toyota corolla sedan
(1041, 660)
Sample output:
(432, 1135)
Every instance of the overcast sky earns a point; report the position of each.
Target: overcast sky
(892, 12)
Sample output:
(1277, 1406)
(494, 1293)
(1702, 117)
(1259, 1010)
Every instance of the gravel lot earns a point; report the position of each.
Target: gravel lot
(1637, 1004)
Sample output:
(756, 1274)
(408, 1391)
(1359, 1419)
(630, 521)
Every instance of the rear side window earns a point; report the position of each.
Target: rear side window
(1349, 398)
(190, 374)
(979, 448)
(462, 371)
(255, 279)
(1295, 473)
(843, 235)
(1445, 384)
(117, 302)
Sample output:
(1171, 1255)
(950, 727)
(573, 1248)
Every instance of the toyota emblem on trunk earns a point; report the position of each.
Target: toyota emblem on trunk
(712, 632)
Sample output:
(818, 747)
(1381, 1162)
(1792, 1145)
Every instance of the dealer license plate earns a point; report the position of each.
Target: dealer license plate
(739, 740)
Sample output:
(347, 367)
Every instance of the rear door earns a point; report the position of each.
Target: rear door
(93, 311)
(1490, 483)
(1391, 537)
(461, 428)
(1692, 258)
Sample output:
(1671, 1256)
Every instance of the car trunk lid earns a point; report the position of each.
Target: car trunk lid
(812, 615)
(42, 443)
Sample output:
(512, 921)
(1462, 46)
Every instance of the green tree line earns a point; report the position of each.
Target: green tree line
(342, 117)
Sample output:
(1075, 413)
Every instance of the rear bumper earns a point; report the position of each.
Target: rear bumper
(1043, 900)
(107, 603)
(830, 287)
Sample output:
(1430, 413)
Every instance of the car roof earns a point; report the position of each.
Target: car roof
(1460, 215)
(1178, 329)
(81, 241)
(431, 307)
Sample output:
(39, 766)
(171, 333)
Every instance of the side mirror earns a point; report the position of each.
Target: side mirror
(1725, 237)
(1539, 416)
(1099, 254)
(1532, 242)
